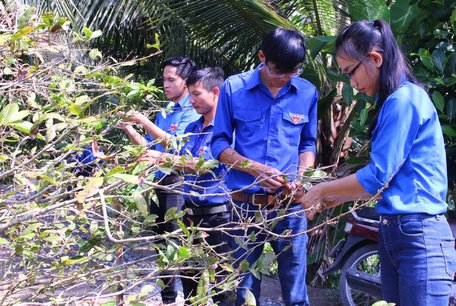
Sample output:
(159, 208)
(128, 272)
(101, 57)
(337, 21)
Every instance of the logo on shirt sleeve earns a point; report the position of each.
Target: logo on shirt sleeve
(296, 118)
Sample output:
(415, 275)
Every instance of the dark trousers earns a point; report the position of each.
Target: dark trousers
(216, 238)
(167, 200)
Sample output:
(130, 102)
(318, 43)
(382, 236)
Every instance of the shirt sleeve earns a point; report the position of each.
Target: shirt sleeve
(309, 131)
(222, 136)
(398, 124)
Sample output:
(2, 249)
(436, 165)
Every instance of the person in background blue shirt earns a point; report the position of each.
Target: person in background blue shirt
(273, 114)
(206, 195)
(175, 73)
(86, 162)
(407, 170)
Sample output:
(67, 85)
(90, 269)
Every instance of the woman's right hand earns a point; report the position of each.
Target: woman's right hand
(314, 201)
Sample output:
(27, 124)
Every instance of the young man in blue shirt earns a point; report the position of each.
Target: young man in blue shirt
(206, 196)
(273, 114)
(175, 73)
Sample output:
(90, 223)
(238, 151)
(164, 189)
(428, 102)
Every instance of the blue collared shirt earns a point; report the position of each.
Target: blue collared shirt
(407, 141)
(176, 121)
(270, 130)
(209, 183)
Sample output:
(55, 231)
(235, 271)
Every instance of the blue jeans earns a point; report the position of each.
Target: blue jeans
(291, 253)
(417, 258)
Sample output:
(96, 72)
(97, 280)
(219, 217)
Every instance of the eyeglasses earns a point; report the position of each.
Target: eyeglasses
(351, 73)
(296, 72)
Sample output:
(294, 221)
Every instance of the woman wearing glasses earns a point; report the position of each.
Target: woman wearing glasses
(407, 171)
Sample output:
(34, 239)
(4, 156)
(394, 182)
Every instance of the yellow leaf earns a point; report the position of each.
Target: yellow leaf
(90, 189)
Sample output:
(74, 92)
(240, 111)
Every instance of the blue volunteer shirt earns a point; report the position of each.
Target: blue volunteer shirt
(270, 130)
(207, 183)
(174, 122)
(407, 141)
(86, 163)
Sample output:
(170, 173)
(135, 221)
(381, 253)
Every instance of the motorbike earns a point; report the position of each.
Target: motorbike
(358, 261)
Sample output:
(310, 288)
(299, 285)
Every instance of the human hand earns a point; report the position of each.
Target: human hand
(294, 189)
(131, 116)
(122, 124)
(269, 178)
(151, 156)
(313, 201)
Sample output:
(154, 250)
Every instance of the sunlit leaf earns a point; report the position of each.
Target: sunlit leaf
(90, 189)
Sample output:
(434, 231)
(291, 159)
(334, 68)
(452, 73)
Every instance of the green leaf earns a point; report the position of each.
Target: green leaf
(249, 298)
(74, 261)
(170, 214)
(21, 33)
(451, 108)
(448, 130)
(23, 126)
(128, 178)
(51, 133)
(3, 241)
(156, 45)
(438, 100)
(363, 116)
(26, 16)
(96, 34)
(141, 204)
(402, 14)
(95, 53)
(31, 228)
(317, 43)
(8, 114)
(183, 253)
(81, 70)
(53, 238)
(244, 266)
(370, 10)
(90, 189)
(87, 33)
(116, 169)
(160, 283)
(426, 58)
(183, 228)
(438, 57)
(82, 100)
(347, 93)
(48, 179)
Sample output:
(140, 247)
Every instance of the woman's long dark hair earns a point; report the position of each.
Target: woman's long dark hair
(358, 39)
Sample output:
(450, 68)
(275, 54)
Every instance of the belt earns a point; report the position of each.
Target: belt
(263, 200)
(193, 210)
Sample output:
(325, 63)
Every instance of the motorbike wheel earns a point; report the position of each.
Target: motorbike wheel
(363, 260)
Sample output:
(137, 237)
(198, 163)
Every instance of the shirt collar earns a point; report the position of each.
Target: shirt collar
(182, 103)
(255, 79)
(200, 121)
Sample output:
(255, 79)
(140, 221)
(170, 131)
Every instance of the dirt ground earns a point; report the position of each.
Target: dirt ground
(272, 294)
